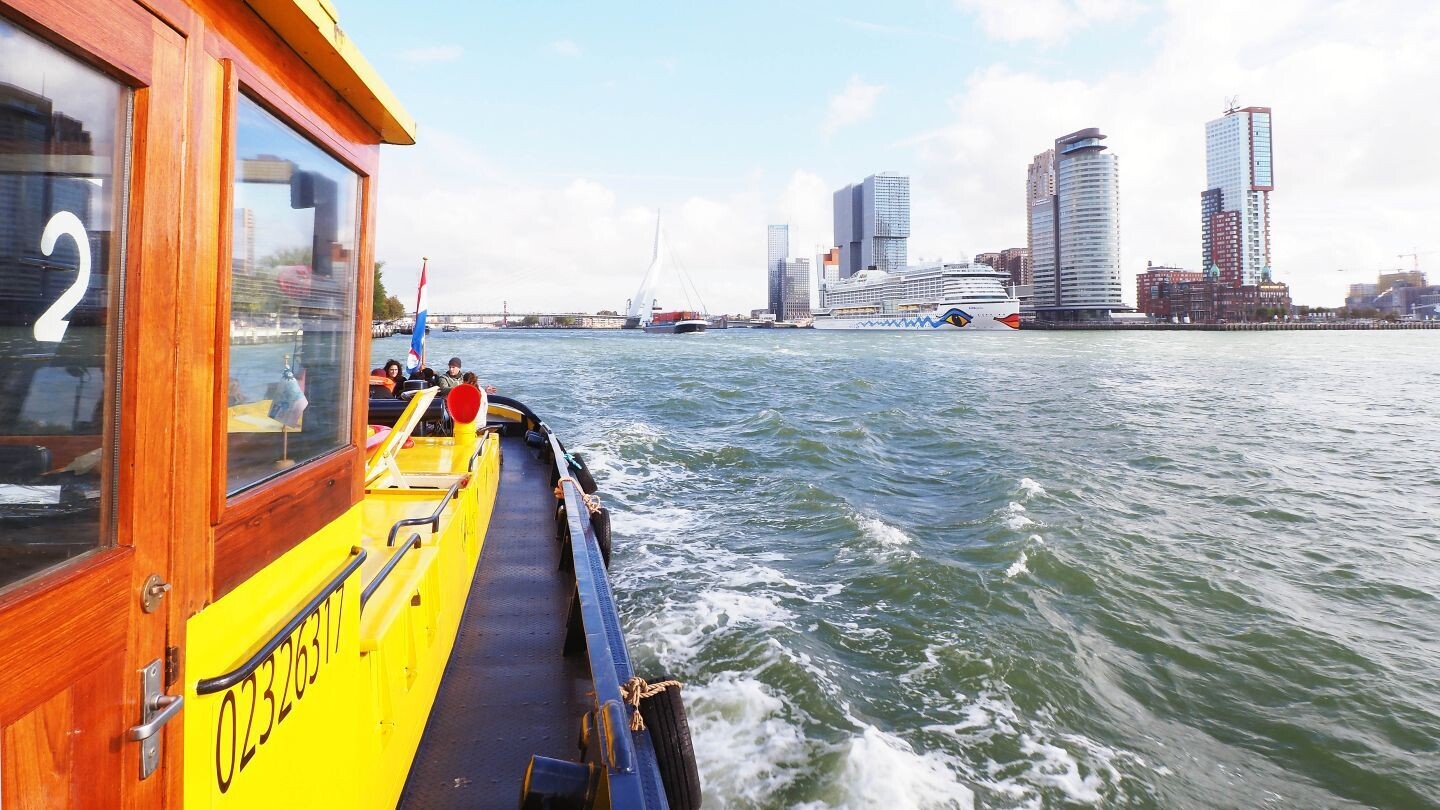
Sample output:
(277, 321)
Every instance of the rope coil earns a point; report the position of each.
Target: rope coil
(560, 487)
(637, 689)
(592, 502)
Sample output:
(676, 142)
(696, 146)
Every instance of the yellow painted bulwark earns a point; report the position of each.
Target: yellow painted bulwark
(311, 28)
(356, 700)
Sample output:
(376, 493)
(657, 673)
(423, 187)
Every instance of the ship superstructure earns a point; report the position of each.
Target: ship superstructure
(931, 297)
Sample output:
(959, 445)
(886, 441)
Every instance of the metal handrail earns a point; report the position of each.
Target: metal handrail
(632, 778)
(369, 590)
(482, 433)
(433, 519)
(209, 686)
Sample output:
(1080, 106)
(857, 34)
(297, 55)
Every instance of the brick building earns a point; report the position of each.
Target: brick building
(1014, 261)
(1157, 288)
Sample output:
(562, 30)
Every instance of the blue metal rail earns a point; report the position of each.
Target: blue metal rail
(627, 756)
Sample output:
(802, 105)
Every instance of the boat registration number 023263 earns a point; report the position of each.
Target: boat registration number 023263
(251, 711)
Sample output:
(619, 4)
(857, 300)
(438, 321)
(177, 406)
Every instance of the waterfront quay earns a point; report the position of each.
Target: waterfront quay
(556, 320)
(1281, 326)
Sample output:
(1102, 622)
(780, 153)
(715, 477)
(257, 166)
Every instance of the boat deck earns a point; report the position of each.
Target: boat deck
(508, 691)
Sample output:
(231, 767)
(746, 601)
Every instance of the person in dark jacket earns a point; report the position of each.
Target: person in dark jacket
(451, 377)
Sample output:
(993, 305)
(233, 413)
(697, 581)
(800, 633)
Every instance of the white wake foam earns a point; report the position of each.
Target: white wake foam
(883, 770)
(678, 634)
(1072, 764)
(1017, 522)
(1018, 567)
(1054, 766)
(882, 533)
(1032, 488)
(745, 747)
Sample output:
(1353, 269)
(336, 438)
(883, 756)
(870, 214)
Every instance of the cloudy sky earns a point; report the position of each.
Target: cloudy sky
(550, 133)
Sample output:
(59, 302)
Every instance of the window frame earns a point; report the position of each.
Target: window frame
(300, 501)
(223, 316)
(128, 65)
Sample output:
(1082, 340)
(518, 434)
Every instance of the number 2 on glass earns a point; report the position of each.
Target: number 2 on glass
(50, 327)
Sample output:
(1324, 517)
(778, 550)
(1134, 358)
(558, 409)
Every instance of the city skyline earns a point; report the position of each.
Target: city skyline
(564, 160)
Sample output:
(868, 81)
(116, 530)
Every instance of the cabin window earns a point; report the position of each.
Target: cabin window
(64, 141)
(292, 300)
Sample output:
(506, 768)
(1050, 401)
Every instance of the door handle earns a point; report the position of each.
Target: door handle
(156, 709)
(161, 710)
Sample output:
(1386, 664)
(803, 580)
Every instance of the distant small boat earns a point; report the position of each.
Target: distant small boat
(676, 323)
(450, 327)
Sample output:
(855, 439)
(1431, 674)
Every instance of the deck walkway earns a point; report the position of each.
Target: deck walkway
(508, 692)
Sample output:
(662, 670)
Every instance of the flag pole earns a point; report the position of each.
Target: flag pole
(419, 299)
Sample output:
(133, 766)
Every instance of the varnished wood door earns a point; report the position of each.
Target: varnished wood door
(74, 632)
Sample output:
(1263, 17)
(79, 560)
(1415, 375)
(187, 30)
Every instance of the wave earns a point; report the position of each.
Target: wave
(747, 749)
(1016, 520)
(1018, 567)
(882, 770)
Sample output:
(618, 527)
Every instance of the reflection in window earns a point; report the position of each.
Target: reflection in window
(62, 141)
(292, 300)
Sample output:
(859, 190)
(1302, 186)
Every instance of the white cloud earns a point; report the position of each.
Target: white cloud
(572, 244)
(1046, 21)
(897, 30)
(433, 54)
(852, 105)
(1344, 80)
(566, 47)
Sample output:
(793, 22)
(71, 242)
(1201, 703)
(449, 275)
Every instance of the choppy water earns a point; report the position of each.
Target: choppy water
(1034, 570)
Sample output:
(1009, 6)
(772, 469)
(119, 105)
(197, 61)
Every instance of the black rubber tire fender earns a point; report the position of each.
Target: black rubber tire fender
(670, 734)
(581, 471)
(600, 522)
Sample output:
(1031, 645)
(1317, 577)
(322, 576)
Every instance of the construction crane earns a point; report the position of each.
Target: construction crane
(1414, 257)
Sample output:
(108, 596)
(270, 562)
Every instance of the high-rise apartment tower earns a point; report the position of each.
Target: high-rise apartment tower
(777, 250)
(1235, 207)
(1075, 230)
(872, 223)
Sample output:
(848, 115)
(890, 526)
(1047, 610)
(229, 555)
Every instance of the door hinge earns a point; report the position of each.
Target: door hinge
(172, 666)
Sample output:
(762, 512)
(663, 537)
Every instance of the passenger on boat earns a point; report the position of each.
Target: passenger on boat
(451, 377)
(395, 373)
(386, 381)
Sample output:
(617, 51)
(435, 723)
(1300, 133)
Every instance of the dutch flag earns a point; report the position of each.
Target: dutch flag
(416, 358)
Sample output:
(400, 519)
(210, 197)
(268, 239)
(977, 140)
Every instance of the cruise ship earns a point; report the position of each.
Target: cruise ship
(934, 297)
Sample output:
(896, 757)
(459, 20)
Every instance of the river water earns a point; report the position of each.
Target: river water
(1019, 570)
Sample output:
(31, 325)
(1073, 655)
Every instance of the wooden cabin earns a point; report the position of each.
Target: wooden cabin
(220, 585)
(187, 205)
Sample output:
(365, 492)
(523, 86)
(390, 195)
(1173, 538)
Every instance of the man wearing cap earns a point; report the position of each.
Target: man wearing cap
(451, 377)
